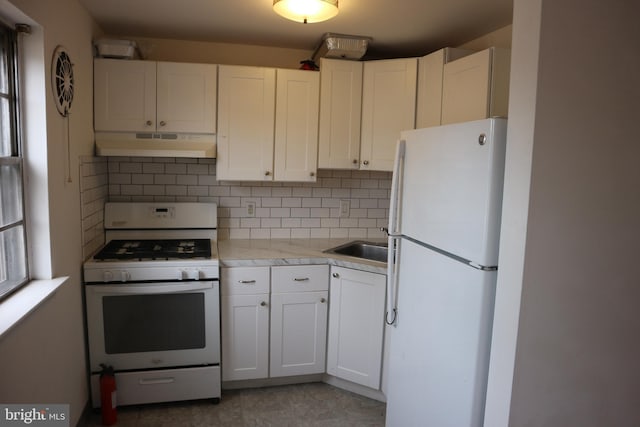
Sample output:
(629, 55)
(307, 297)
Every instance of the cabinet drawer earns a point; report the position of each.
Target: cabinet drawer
(165, 385)
(300, 278)
(244, 280)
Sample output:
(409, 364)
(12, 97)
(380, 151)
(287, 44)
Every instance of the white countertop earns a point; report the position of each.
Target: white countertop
(267, 252)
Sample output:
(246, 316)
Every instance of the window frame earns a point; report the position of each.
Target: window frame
(15, 157)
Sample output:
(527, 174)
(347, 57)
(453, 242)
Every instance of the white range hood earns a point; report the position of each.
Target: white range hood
(144, 144)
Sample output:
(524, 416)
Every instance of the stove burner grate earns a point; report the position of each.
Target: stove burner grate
(164, 249)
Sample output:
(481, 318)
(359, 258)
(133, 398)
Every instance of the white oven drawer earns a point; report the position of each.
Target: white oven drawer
(299, 278)
(170, 385)
(244, 280)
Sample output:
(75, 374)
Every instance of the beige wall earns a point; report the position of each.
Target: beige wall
(220, 53)
(576, 359)
(498, 38)
(42, 359)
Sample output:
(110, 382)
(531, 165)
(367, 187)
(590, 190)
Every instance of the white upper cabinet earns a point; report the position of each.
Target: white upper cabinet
(430, 75)
(388, 107)
(246, 114)
(186, 97)
(296, 128)
(267, 124)
(148, 96)
(476, 87)
(340, 114)
(124, 95)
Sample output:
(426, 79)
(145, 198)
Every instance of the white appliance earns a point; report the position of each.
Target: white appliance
(444, 220)
(152, 303)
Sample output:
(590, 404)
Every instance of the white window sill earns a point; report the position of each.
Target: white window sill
(25, 300)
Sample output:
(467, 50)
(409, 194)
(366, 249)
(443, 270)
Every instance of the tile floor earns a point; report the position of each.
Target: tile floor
(300, 405)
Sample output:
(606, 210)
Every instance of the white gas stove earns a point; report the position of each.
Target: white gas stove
(152, 301)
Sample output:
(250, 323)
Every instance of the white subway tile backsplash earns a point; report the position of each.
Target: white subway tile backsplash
(283, 210)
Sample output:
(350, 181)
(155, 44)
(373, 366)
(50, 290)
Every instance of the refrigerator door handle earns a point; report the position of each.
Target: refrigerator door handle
(393, 234)
(396, 179)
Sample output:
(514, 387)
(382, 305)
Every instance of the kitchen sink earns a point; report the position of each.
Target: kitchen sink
(360, 249)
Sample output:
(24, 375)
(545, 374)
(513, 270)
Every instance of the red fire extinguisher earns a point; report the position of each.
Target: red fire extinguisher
(108, 395)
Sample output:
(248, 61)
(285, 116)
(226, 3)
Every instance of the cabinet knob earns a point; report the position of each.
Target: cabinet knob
(322, 300)
(267, 173)
(162, 123)
(366, 162)
(355, 161)
(336, 275)
(312, 174)
(148, 123)
(263, 304)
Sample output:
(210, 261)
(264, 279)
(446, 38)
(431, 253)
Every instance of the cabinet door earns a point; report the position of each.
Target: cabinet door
(245, 336)
(296, 127)
(340, 114)
(430, 76)
(246, 113)
(388, 107)
(298, 333)
(124, 95)
(356, 326)
(186, 97)
(466, 85)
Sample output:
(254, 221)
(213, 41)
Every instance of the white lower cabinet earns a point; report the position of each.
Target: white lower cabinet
(274, 321)
(356, 326)
(299, 301)
(245, 322)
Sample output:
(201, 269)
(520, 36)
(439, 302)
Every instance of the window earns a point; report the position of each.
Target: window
(13, 252)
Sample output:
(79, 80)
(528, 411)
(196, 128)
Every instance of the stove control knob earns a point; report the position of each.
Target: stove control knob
(125, 275)
(182, 275)
(107, 276)
(195, 275)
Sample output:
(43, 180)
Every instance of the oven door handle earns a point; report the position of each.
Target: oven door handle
(150, 289)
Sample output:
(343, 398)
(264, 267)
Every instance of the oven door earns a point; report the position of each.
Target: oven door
(153, 325)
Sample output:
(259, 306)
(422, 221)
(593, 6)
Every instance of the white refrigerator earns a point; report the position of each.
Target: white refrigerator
(444, 221)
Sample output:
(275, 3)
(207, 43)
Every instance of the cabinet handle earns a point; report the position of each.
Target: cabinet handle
(366, 162)
(148, 123)
(162, 123)
(301, 279)
(336, 275)
(322, 300)
(263, 304)
(246, 282)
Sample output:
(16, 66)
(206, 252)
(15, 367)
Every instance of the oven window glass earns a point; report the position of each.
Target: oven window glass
(139, 323)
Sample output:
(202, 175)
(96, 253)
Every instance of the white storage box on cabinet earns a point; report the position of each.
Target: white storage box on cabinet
(356, 326)
(299, 302)
(245, 322)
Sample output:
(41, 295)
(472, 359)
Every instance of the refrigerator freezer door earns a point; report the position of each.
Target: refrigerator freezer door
(439, 348)
(452, 188)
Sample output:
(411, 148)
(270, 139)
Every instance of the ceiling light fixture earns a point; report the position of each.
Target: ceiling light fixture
(306, 11)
